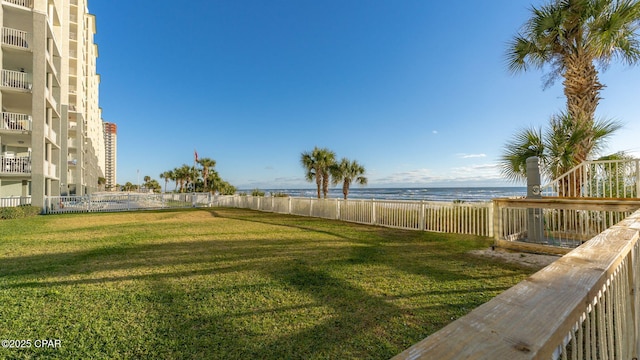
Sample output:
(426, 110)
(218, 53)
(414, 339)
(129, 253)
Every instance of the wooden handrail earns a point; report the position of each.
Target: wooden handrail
(540, 316)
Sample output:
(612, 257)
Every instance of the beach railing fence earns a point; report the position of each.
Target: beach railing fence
(564, 223)
(598, 179)
(111, 202)
(462, 218)
(586, 305)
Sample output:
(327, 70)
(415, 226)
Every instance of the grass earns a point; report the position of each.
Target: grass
(232, 284)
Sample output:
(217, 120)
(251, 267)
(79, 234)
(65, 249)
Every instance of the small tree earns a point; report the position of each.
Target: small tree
(348, 172)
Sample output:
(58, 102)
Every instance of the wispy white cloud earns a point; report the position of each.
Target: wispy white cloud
(471, 156)
(435, 131)
(474, 175)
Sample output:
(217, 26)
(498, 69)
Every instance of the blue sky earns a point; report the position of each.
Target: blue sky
(416, 91)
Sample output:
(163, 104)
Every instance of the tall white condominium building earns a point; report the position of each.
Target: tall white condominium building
(51, 133)
(110, 152)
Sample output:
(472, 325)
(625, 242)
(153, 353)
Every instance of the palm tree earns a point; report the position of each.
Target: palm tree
(348, 172)
(101, 182)
(207, 165)
(317, 164)
(182, 176)
(559, 147)
(572, 36)
(167, 175)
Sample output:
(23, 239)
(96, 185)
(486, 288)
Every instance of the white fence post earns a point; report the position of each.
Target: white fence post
(638, 178)
(373, 211)
(489, 221)
(423, 221)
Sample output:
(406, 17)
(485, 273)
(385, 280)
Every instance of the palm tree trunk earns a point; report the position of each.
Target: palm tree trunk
(345, 189)
(581, 87)
(325, 184)
(318, 183)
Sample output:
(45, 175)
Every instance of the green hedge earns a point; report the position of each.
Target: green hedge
(19, 212)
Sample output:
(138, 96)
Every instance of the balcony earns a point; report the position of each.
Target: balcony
(51, 99)
(49, 169)
(12, 164)
(18, 80)
(23, 3)
(16, 38)
(51, 134)
(15, 122)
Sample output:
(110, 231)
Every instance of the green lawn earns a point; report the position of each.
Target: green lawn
(231, 283)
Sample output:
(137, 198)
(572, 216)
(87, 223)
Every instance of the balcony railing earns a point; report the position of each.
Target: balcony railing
(15, 37)
(24, 3)
(51, 99)
(15, 121)
(11, 164)
(600, 179)
(51, 134)
(16, 80)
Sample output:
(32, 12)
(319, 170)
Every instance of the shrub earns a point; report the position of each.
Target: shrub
(257, 192)
(279, 194)
(19, 212)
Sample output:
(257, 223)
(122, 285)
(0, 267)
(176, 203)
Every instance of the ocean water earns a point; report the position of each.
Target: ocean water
(468, 194)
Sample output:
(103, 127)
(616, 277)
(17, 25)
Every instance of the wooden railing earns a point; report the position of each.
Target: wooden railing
(601, 179)
(461, 218)
(522, 224)
(586, 305)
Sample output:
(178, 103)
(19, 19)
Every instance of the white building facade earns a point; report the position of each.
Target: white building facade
(111, 153)
(51, 133)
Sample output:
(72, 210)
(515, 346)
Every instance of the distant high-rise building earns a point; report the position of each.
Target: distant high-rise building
(51, 133)
(110, 152)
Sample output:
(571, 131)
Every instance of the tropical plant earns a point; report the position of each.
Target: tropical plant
(257, 192)
(224, 188)
(347, 172)
(190, 178)
(128, 186)
(167, 175)
(207, 165)
(572, 37)
(317, 164)
(101, 182)
(557, 147)
(183, 176)
(614, 177)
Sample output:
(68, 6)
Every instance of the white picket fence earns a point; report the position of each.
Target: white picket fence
(110, 202)
(474, 218)
(15, 201)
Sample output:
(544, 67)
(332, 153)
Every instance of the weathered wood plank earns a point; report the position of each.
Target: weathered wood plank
(531, 248)
(532, 318)
(605, 204)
